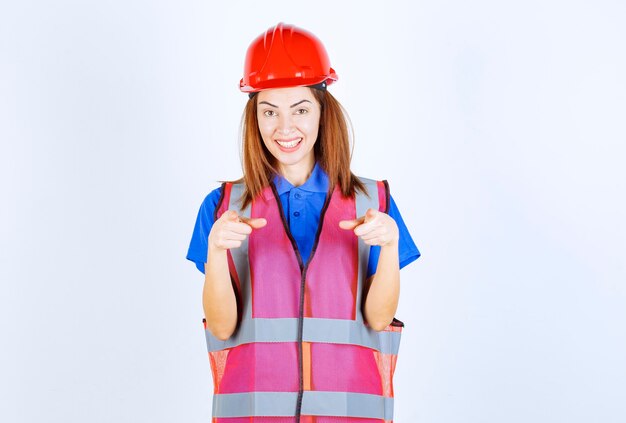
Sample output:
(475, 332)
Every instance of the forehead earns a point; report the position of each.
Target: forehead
(285, 96)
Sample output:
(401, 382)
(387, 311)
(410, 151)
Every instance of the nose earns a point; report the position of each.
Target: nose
(285, 125)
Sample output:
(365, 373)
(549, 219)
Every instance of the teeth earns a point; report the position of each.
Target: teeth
(289, 144)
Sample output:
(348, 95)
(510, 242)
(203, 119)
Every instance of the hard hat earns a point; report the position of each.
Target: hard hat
(286, 56)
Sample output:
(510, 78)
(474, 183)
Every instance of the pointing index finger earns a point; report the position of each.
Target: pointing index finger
(350, 224)
(254, 223)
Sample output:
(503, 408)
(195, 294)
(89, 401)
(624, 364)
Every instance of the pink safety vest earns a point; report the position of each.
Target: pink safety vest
(302, 351)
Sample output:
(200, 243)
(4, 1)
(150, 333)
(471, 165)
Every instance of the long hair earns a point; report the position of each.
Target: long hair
(332, 149)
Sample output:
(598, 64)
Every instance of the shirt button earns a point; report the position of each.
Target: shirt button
(297, 195)
(296, 214)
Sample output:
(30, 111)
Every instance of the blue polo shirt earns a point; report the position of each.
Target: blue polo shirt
(302, 207)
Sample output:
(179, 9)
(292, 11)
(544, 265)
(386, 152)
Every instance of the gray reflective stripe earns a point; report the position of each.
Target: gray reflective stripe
(350, 332)
(349, 404)
(240, 255)
(257, 330)
(362, 203)
(314, 403)
(337, 331)
(235, 194)
(275, 404)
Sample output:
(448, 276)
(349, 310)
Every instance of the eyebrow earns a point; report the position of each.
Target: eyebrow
(293, 105)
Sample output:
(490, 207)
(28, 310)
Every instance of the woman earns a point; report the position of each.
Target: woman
(301, 258)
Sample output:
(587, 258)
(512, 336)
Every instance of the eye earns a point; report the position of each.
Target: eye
(269, 113)
(301, 111)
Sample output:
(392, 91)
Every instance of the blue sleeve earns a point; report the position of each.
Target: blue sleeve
(408, 252)
(198, 246)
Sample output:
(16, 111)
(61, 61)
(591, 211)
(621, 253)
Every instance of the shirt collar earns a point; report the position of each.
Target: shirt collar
(317, 182)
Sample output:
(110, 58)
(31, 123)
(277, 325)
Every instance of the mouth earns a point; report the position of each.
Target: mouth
(289, 144)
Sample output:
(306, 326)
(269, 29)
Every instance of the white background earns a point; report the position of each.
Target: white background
(499, 125)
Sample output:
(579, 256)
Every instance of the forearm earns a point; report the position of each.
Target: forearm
(218, 296)
(384, 291)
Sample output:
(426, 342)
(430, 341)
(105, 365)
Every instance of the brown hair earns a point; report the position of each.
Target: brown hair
(333, 149)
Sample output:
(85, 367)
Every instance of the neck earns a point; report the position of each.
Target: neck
(297, 174)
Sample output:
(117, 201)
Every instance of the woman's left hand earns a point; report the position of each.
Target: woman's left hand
(374, 228)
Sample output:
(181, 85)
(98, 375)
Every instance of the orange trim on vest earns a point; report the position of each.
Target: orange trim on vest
(306, 365)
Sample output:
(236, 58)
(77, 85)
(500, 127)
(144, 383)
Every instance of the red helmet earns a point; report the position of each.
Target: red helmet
(285, 56)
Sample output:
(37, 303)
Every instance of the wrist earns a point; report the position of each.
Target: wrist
(393, 243)
(215, 250)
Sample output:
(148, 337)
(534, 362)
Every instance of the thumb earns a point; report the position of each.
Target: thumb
(255, 223)
(351, 224)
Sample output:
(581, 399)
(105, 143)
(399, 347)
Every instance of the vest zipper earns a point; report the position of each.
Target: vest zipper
(303, 270)
(300, 358)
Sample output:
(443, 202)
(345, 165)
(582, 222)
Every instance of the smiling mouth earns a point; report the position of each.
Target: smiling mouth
(289, 144)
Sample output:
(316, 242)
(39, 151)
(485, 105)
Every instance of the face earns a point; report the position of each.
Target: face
(289, 120)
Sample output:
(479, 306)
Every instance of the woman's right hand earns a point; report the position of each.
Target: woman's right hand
(218, 297)
(230, 230)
